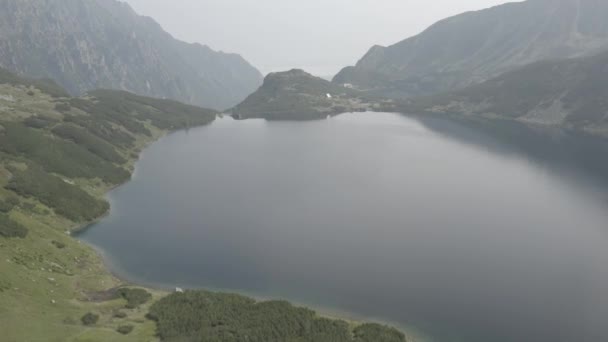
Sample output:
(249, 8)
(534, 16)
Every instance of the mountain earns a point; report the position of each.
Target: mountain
(476, 46)
(571, 93)
(297, 95)
(91, 44)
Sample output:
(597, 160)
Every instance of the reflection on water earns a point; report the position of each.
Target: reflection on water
(472, 232)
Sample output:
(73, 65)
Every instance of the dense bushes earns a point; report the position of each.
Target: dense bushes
(11, 229)
(39, 121)
(374, 333)
(101, 129)
(134, 297)
(89, 319)
(216, 317)
(58, 156)
(125, 329)
(8, 204)
(63, 107)
(164, 114)
(66, 199)
(112, 111)
(92, 143)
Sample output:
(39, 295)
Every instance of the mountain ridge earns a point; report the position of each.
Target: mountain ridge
(475, 46)
(90, 44)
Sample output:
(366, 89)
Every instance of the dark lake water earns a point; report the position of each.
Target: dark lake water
(484, 233)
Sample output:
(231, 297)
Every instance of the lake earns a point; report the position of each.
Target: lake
(468, 232)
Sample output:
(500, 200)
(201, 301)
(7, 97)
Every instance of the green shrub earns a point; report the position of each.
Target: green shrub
(63, 107)
(125, 329)
(102, 129)
(376, 332)
(11, 229)
(66, 199)
(206, 316)
(58, 156)
(58, 244)
(89, 319)
(120, 314)
(39, 121)
(164, 114)
(134, 297)
(8, 204)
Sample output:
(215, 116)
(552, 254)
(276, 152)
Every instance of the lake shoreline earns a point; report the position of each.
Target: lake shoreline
(412, 334)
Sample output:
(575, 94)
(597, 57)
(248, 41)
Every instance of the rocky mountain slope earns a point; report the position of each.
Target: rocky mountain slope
(571, 93)
(297, 95)
(91, 44)
(473, 47)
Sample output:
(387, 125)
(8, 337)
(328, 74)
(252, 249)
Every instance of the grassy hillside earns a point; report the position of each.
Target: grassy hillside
(58, 157)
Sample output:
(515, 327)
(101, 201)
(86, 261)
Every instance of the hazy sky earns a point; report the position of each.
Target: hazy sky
(319, 35)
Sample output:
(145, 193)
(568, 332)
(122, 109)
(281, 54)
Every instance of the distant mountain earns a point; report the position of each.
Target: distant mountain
(297, 95)
(91, 44)
(571, 93)
(473, 47)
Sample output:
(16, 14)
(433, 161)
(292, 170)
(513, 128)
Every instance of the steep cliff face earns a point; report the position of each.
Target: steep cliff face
(90, 44)
(473, 47)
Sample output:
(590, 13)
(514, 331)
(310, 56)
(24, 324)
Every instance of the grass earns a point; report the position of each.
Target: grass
(44, 289)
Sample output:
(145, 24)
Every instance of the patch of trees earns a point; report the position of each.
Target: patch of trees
(58, 156)
(134, 297)
(115, 112)
(8, 204)
(92, 143)
(218, 317)
(10, 228)
(164, 114)
(63, 107)
(101, 129)
(375, 332)
(66, 199)
(39, 121)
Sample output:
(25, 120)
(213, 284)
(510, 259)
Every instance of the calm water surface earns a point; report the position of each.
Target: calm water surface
(469, 233)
